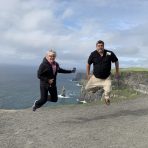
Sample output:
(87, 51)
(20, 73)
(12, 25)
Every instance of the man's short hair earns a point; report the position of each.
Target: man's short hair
(100, 42)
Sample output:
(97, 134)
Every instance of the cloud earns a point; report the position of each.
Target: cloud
(67, 13)
(29, 28)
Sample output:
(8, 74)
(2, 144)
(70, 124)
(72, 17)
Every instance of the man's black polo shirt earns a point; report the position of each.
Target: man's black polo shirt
(102, 65)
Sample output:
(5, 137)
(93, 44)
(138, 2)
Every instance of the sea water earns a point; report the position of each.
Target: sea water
(19, 87)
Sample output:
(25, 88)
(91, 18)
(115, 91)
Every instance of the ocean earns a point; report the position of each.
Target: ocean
(19, 87)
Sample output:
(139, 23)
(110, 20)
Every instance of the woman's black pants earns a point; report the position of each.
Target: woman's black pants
(44, 89)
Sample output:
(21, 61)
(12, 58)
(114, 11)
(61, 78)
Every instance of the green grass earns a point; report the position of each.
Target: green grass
(132, 69)
(120, 95)
(124, 94)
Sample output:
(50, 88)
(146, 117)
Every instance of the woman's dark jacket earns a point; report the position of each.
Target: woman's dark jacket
(45, 72)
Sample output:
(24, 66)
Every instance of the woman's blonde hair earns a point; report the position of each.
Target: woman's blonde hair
(51, 52)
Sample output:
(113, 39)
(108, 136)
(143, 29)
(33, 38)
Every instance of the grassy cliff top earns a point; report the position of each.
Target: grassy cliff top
(132, 69)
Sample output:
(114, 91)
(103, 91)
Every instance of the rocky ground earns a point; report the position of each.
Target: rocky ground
(120, 125)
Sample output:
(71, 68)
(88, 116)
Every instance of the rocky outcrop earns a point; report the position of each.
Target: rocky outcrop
(137, 81)
(90, 96)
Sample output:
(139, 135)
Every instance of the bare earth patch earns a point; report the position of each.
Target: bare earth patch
(120, 125)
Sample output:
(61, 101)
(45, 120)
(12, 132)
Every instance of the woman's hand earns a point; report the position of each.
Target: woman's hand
(73, 70)
(50, 81)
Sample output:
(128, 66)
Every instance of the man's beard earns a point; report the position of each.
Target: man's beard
(100, 50)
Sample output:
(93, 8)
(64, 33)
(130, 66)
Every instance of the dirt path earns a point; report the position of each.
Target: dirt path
(122, 125)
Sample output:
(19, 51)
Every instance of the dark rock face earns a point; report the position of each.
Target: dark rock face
(138, 81)
(91, 96)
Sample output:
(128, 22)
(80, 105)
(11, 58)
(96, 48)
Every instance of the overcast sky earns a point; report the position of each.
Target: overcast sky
(28, 28)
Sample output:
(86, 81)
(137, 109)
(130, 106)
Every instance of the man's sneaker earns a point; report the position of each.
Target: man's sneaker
(107, 101)
(34, 107)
